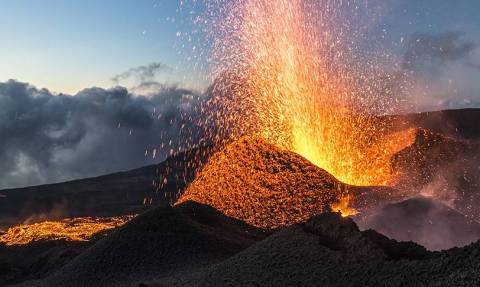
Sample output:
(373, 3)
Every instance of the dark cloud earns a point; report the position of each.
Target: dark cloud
(48, 138)
(445, 69)
(475, 66)
(430, 51)
(142, 74)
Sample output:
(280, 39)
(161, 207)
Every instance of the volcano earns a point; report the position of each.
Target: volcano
(263, 185)
(258, 214)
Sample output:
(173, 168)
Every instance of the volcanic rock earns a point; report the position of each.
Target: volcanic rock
(430, 153)
(297, 256)
(158, 243)
(37, 260)
(263, 185)
(194, 245)
(458, 123)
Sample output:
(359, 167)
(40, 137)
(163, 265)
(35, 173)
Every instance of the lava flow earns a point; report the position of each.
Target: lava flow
(75, 229)
(294, 73)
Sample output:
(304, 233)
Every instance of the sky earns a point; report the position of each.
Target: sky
(87, 86)
(67, 46)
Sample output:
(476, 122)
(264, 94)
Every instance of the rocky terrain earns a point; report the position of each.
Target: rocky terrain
(256, 215)
(329, 250)
(195, 245)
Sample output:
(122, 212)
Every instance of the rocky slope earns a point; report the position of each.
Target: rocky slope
(329, 250)
(159, 243)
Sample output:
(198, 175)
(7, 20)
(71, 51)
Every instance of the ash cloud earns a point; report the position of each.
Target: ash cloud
(50, 138)
(446, 66)
(143, 79)
(144, 73)
(432, 51)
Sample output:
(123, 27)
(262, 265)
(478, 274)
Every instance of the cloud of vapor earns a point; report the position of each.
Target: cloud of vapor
(446, 68)
(142, 79)
(432, 51)
(49, 138)
(142, 73)
(423, 220)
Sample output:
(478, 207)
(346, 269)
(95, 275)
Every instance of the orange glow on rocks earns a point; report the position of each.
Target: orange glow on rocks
(343, 206)
(75, 229)
(263, 185)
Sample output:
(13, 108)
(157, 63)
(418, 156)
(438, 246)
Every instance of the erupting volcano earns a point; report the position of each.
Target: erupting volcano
(291, 76)
(300, 156)
(291, 72)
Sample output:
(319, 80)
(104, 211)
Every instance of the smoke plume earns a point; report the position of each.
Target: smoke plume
(49, 138)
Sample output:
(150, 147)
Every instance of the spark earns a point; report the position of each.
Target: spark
(290, 71)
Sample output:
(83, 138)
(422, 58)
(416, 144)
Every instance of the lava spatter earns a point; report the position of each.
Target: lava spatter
(263, 185)
(295, 74)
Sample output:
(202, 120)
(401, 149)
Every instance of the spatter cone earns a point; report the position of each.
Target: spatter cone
(263, 185)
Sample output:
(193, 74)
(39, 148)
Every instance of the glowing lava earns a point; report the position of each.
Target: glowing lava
(343, 206)
(263, 185)
(292, 72)
(76, 229)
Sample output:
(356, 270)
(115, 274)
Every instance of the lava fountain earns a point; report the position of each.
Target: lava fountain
(293, 72)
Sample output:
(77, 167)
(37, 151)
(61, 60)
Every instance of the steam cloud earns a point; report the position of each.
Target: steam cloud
(432, 51)
(143, 73)
(143, 77)
(49, 138)
(448, 64)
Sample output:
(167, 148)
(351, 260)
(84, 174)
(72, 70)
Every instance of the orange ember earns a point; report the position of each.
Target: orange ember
(76, 229)
(291, 72)
(263, 185)
(343, 206)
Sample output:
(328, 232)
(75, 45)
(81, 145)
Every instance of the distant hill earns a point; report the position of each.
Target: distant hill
(108, 195)
(461, 123)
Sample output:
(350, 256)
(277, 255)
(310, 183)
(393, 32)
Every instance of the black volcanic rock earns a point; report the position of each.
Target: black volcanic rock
(447, 167)
(36, 260)
(458, 123)
(298, 256)
(162, 242)
(195, 245)
(339, 233)
(425, 221)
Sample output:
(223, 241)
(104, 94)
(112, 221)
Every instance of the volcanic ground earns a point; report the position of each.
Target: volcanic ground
(251, 214)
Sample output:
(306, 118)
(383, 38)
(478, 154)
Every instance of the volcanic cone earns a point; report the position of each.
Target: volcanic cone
(263, 185)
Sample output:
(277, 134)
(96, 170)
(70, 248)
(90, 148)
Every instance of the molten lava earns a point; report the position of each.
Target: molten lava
(343, 206)
(292, 72)
(263, 185)
(76, 229)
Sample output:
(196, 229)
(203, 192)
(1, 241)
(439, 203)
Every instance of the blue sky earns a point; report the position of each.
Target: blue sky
(66, 46)
(69, 45)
